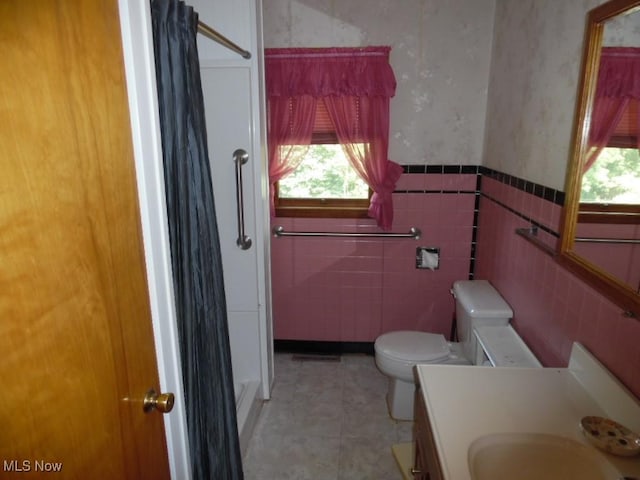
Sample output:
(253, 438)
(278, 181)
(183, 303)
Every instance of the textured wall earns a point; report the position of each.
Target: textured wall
(336, 289)
(536, 60)
(458, 63)
(440, 55)
(622, 31)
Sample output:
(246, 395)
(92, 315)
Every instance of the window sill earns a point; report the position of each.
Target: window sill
(322, 212)
(609, 213)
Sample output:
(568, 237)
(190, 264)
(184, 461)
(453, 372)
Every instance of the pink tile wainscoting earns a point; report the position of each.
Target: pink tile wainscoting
(353, 289)
(552, 307)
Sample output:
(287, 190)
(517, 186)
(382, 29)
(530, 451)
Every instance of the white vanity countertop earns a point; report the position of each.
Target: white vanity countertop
(467, 402)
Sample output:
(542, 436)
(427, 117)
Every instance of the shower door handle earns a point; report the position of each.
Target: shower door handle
(240, 157)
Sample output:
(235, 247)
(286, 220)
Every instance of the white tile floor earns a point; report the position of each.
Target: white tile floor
(325, 421)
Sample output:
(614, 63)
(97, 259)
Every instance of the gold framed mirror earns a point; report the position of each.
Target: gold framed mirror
(600, 234)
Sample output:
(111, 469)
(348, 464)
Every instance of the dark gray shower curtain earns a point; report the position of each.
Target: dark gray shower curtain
(195, 247)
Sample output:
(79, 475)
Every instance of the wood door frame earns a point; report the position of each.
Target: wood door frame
(137, 43)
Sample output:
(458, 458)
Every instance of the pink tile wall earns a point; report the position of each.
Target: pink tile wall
(352, 290)
(552, 307)
(621, 260)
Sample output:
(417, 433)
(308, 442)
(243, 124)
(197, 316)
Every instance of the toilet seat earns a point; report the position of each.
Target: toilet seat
(477, 304)
(413, 347)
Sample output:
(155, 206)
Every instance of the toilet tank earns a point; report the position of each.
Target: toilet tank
(477, 303)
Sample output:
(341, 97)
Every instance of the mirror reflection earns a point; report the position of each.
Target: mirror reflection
(607, 232)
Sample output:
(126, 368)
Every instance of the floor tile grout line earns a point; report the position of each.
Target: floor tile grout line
(371, 383)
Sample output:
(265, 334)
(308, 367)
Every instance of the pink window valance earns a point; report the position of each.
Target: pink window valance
(619, 72)
(355, 84)
(618, 86)
(322, 72)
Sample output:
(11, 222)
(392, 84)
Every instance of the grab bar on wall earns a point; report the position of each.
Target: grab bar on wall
(633, 241)
(413, 233)
(240, 157)
(209, 32)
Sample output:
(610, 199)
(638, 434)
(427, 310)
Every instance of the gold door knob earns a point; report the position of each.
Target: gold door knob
(162, 402)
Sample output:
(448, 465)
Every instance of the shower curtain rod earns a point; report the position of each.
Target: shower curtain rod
(209, 32)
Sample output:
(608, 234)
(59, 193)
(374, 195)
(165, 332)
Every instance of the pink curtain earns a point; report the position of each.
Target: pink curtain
(362, 126)
(356, 85)
(618, 83)
(289, 127)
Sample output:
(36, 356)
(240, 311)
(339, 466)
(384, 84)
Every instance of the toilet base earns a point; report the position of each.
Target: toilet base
(400, 397)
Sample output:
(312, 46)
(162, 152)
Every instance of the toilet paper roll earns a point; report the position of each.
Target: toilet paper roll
(430, 260)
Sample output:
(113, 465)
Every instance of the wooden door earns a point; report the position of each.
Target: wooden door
(76, 340)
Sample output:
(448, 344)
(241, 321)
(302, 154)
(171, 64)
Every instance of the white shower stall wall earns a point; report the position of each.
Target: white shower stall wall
(235, 116)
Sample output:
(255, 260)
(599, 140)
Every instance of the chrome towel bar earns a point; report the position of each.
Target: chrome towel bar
(413, 233)
(635, 241)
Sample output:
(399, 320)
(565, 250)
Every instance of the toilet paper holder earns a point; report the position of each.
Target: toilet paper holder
(428, 258)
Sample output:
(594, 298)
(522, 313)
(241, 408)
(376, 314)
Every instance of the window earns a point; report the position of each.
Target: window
(614, 178)
(327, 131)
(610, 188)
(324, 183)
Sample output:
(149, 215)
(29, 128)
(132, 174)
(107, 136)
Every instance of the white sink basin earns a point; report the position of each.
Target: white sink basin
(535, 456)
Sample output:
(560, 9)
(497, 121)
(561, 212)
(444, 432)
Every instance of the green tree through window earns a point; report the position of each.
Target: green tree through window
(613, 178)
(324, 173)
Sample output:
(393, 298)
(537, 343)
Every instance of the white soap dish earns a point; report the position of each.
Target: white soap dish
(610, 436)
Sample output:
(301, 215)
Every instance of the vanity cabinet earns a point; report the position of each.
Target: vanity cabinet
(426, 463)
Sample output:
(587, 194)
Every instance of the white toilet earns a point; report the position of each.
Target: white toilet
(477, 304)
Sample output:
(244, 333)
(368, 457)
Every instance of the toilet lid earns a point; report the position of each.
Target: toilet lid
(413, 346)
